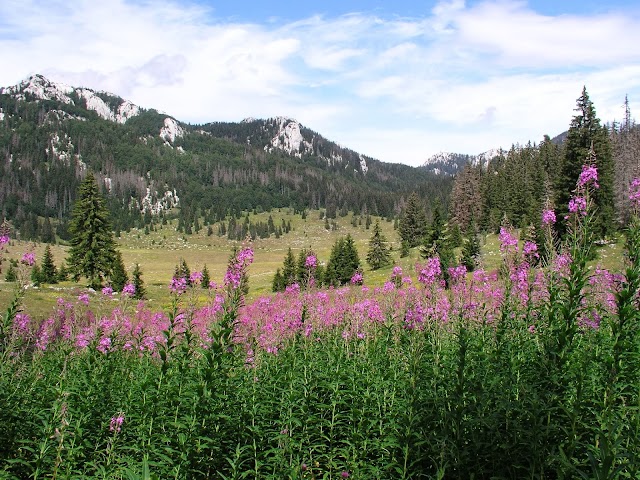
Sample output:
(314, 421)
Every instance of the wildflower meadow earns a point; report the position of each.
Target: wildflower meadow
(531, 371)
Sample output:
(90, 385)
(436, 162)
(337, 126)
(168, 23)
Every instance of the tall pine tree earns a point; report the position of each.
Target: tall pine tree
(118, 277)
(141, 292)
(93, 251)
(413, 222)
(586, 135)
(343, 262)
(379, 254)
(48, 270)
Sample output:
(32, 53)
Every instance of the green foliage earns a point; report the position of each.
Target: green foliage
(92, 253)
(289, 268)
(437, 243)
(12, 274)
(278, 284)
(588, 143)
(343, 263)
(470, 249)
(413, 222)
(379, 254)
(182, 271)
(63, 272)
(48, 270)
(137, 281)
(118, 277)
(36, 276)
(206, 277)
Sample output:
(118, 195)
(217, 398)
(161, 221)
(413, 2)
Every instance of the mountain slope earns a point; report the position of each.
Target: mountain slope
(149, 163)
(445, 163)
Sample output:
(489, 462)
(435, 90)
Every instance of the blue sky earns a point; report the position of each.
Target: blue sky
(398, 81)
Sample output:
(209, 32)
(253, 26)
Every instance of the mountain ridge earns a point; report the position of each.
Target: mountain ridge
(149, 162)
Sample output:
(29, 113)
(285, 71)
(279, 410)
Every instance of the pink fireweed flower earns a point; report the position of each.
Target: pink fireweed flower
(530, 249)
(588, 175)
(107, 291)
(311, 262)
(356, 279)
(29, 259)
(634, 192)
(457, 273)
(578, 205)
(293, 288)
(195, 278)
(4, 239)
(104, 345)
(430, 271)
(21, 323)
(235, 270)
(84, 298)
(178, 285)
(129, 290)
(507, 241)
(548, 217)
(116, 423)
(232, 277)
(245, 256)
(397, 271)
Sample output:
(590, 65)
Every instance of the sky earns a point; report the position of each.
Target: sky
(398, 81)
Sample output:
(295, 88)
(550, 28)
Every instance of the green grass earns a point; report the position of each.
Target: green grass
(160, 251)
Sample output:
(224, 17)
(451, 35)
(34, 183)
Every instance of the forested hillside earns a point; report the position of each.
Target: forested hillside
(150, 165)
(515, 187)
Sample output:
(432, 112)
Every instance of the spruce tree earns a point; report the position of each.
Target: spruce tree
(93, 252)
(206, 277)
(470, 249)
(49, 272)
(278, 282)
(379, 254)
(343, 262)
(437, 243)
(289, 268)
(63, 272)
(118, 277)
(141, 292)
(588, 141)
(413, 222)
(182, 271)
(36, 275)
(12, 273)
(47, 235)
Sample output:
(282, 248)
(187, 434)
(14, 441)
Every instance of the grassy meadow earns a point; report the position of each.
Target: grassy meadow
(159, 251)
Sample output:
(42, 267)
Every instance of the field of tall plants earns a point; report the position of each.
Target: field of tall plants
(531, 371)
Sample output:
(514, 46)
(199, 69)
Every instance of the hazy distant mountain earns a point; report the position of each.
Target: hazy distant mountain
(445, 163)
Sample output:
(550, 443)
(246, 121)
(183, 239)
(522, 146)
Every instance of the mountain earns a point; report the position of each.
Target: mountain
(448, 164)
(152, 164)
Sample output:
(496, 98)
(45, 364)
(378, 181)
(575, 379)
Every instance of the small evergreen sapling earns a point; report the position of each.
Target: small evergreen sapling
(49, 272)
(138, 283)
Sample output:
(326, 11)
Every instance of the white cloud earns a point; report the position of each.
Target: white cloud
(462, 77)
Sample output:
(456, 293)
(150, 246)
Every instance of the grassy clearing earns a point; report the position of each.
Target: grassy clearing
(160, 251)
